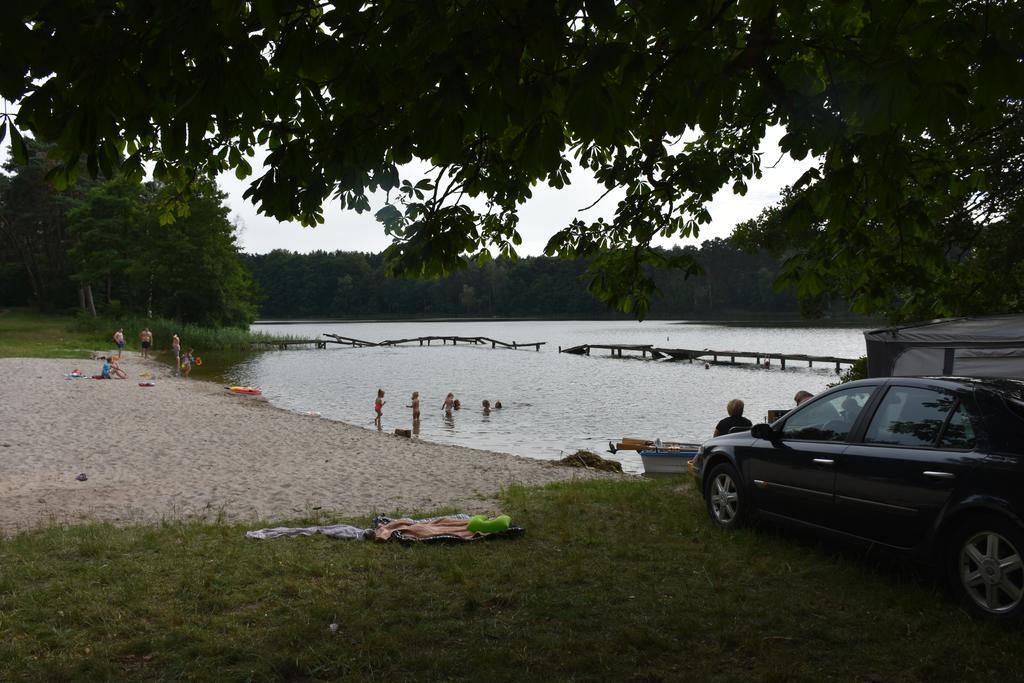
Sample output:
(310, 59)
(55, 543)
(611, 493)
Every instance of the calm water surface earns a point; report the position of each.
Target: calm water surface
(553, 403)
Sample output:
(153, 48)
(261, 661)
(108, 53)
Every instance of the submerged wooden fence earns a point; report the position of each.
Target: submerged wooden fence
(708, 355)
(359, 343)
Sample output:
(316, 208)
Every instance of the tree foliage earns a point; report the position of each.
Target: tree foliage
(666, 101)
(33, 229)
(970, 260)
(345, 284)
(106, 237)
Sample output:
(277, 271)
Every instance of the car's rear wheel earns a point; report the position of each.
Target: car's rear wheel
(724, 499)
(986, 568)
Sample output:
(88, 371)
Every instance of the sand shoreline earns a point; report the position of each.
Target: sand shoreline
(189, 449)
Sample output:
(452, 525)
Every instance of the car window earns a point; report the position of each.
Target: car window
(959, 433)
(827, 419)
(910, 416)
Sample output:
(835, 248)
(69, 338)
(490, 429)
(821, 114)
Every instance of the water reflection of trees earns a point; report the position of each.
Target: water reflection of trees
(926, 431)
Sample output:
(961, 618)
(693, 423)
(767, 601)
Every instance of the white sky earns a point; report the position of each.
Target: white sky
(547, 212)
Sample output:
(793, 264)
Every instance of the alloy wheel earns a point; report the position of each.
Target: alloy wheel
(991, 572)
(724, 498)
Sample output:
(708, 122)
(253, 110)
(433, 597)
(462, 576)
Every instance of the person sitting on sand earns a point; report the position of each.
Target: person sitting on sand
(487, 407)
(115, 371)
(414, 403)
(735, 419)
(146, 339)
(449, 403)
(105, 372)
(378, 407)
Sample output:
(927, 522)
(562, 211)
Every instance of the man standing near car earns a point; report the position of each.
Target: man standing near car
(735, 419)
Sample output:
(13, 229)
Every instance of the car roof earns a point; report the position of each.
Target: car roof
(1000, 385)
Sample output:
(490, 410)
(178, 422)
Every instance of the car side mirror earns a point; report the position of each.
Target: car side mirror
(763, 431)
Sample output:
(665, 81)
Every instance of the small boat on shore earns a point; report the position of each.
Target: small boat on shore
(659, 457)
(632, 444)
(668, 461)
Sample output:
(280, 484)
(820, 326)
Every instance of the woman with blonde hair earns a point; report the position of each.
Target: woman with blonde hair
(735, 421)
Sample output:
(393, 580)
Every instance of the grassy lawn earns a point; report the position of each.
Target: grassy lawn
(613, 581)
(27, 334)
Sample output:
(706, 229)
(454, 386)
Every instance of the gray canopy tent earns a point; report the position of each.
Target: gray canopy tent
(991, 346)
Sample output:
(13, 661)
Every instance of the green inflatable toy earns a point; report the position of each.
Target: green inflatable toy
(480, 524)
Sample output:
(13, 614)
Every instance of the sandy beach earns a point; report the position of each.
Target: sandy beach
(188, 448)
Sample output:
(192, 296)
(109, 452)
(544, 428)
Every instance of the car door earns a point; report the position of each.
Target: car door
(918, 443)
(795, 475)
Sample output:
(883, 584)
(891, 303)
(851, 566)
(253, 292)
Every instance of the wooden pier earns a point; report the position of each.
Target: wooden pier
(428, 341)
(616, 350)
(762, 358)
(286, 343)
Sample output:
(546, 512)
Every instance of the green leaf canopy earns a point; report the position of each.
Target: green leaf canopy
(666, 100)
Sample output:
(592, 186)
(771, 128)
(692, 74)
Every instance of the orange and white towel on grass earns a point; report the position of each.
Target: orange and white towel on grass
(451, 528)
(409, 529)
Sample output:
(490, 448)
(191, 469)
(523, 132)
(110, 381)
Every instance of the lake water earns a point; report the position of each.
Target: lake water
(554, 403)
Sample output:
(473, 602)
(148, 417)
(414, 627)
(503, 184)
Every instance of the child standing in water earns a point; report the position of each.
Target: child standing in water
(186, 363)
(414, 403)
(378, 406)
(449, 403)
(487, 407)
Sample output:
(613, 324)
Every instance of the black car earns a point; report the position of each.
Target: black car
(930, 467)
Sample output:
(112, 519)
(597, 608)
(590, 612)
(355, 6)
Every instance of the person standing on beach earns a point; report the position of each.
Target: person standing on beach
(378, 407)
(119, 340)
(146, 337)
(176, 348)
(414, 403)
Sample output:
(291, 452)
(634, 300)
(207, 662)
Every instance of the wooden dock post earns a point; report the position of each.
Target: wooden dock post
(783, 359)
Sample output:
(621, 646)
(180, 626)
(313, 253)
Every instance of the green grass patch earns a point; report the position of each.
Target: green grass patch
(27, 334)
(30, 334)
(613, 581)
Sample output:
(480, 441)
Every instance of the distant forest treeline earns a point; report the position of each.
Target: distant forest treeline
(346, 284)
